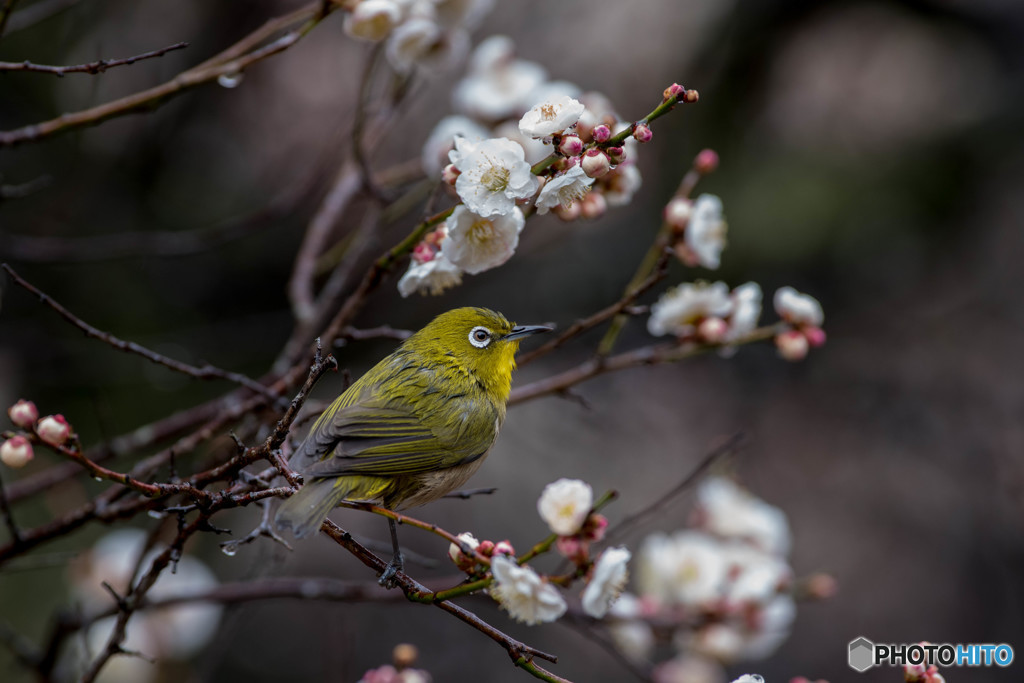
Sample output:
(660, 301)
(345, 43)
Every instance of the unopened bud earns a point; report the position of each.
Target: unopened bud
(54, 430)
(569, 213)
(595, 163)
(570, 146)
(706, 161)
(404, 655)
(713, 330)
(16, 452)
(594, 528)
(449, 174)
(464, 561)
(616, 155)
(642, 133)
(815, 336)
(423, 253)
(821, 586)
(573, 547)
(593, 205)
(486, 548)
(673, 91)
(601, 133)
(23, 413)
(504, 548)
(677, 213)
(913, 672)
(690, 96)
(792, 345)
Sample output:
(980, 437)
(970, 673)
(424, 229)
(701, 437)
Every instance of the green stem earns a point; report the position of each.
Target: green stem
(412, 239)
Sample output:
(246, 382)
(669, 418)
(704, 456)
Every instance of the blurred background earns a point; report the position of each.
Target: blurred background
(872, 154)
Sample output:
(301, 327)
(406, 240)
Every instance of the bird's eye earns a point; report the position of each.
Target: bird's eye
(480, 337)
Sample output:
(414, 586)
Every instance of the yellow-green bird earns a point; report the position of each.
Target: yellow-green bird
(413, 428)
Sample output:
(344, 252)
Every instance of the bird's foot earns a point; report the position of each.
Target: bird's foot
(387, 578)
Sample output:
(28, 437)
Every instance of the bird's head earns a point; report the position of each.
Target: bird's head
(478, 340)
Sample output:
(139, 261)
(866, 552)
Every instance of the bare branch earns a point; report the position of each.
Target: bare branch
(96, 67)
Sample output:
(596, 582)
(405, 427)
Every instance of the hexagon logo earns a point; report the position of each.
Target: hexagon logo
(862, 654)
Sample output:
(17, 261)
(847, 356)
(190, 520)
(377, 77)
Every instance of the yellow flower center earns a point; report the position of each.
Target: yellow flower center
(481, 231)
(548, 112)
(495, 178)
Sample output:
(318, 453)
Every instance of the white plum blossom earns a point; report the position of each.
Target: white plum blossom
(477, 243)
(432, 277)
(798, 309)
(621, 184)
(680, 309)
(746, 311)
(455, 552)
(773, 624)
(633, 636)
(523, 593)
(749, 678)
(534, 150)
(464, 14)
(688, 668)
(610, 576)
(705, 233)
(565, 504)
(564, 189)
(493, 174)
(497, 82)
(411, 41)
(756, 576)
(687, 568)
(550, 117)
(550, 90)
(729, 511)
(442, 140)
(373, 20)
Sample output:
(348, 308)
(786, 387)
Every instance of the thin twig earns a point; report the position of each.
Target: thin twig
(96, 67)
(25, 189)
(5, 14)
(207, 371)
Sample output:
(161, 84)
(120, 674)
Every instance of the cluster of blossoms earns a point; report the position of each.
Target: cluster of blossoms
(54, 430)
(718, 591)
(511, 118)
(174, 633)
(401, 671)
(425, 33)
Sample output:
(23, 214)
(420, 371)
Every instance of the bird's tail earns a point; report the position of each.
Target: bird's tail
(305, 511)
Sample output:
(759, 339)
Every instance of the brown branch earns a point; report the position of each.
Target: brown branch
(207, 371)
(227, 63)
(96, 67)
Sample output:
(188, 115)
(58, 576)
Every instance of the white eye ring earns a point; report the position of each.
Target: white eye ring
(480, 336)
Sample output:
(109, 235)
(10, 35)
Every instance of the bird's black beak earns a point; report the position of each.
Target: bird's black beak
(520, 331)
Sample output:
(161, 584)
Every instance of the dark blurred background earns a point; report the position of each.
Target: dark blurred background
(871, 154)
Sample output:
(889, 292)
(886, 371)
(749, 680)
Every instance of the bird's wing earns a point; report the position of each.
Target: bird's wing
(391, 440)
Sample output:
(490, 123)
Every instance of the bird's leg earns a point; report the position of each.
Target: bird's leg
(397, 563)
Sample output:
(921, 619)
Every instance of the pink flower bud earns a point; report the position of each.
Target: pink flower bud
(16, 452)
(423, 253)
(822, 586)
(677, 213)
(601, 133)
(673, 91)
(504, 548)
(464, 561)
(486, 548)
(595, 163)
(815, 336)
(713, 330)
(706, 161)
(569, 213)
(449, 174)
(594, 528)
(54, 430)
(913, 672)
(642, 133)
(792, 345)
(616, 155)
(571, 146)
(690, 96)
(23, 413)
(573, 548)
(593, 205)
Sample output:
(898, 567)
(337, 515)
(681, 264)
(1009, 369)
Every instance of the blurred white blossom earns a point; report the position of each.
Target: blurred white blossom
(798, 309)
(549, 117)
(497, 82)
(729, 511)
(686, 568)
(373, 19)
(606, 584)
(688, 668)
(680, 309)
(563, 190)
(476, 243)
(432, 277)
(621, 184)
(442, 140)
(411, 41)
(746, 310)
(705, 232)
(493, 174)
(524, 594)
(565, 504)
(632, 635)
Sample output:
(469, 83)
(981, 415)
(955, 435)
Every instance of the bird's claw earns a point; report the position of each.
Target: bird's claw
(387, 577)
